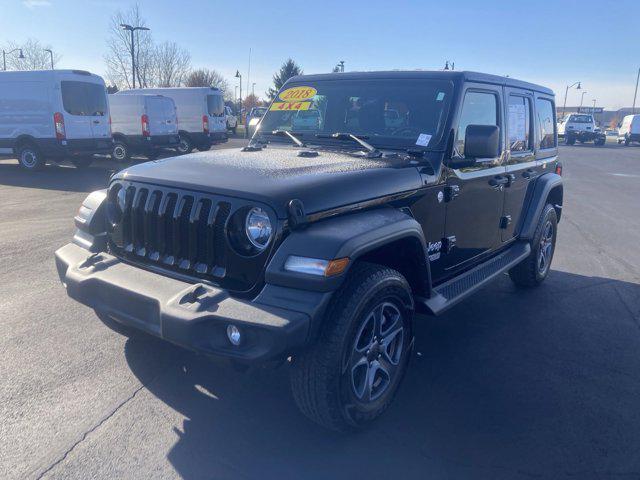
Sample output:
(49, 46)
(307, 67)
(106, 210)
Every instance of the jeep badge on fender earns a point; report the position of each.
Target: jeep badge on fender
(380, 195)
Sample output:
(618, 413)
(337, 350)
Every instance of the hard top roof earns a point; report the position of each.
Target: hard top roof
(457, 76)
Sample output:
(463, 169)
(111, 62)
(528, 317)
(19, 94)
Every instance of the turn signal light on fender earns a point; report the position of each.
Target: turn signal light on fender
(559, 169)
(336, 267)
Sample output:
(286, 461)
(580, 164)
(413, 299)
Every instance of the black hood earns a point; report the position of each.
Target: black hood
(276, 175)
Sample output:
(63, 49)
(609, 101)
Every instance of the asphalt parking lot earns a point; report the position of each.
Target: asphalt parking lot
(510, 384)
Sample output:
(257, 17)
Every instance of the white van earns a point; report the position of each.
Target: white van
(53, 115)
(142, 124)
(201, 118)
(629, 130)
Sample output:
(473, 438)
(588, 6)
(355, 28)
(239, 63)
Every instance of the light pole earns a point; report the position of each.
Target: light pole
(582, 100)
(4, 56)
(133, 58)
(238, 75)
(566, 92)
(51, 55)
(636, 93)
(253, 89)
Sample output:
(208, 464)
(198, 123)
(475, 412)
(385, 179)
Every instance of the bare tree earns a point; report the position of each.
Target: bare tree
(171, 65)
(118, 56)
(35, 57)
(203, 77)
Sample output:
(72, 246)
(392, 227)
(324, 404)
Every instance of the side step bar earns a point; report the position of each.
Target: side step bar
(449, 293)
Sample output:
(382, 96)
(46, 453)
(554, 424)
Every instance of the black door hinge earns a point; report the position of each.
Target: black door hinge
(505, 221)
(451, 192)
(448, 243)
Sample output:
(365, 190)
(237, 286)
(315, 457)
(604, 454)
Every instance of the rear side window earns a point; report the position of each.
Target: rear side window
(215, 105)
(546, 123)
(84, 98)
(519, 123)
(479, 108)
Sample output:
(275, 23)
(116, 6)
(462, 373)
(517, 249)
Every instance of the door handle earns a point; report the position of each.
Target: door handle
(96, 122)
(528, 173)
(499, 181)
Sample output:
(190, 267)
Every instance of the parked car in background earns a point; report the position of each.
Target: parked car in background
(580, 127)
(53, 115)
(142, 124)
(232, 120)
(306, 119)
(629, 130)
(253, 119)
(201, 117)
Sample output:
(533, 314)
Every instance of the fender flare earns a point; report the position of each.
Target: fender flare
(352, 235)
(547, 186)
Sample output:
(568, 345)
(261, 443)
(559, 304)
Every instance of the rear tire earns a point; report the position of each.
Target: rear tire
(533, 270)
(185, 146)
(570, 140)
(350, 375)
(30, 157)
(600, 141)
(120, 151)
(627, 141)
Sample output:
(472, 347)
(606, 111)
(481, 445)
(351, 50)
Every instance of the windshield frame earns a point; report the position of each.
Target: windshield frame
(320, 138)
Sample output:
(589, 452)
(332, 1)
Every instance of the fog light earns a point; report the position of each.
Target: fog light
(234, 335)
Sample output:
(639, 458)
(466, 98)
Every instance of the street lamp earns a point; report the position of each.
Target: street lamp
(51, 55)
(133, 58)
(253, 89)
(636, 93)
(4, 57)
(582, 99)
(238, 75)
(564, 107)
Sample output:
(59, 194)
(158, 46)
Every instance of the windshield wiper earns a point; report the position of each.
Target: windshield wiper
(295, 139)
(372, 152)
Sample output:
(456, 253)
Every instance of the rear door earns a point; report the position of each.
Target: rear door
(215, 108)
(476, 193)
(520, 159)
(162, 115)
(85, 109)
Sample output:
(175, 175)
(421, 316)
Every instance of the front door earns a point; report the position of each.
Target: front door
(474, 194)
(520, 160)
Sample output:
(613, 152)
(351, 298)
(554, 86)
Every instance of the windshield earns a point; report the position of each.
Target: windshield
(215, 105)
(581, 119)
(389, 113)
(84, 98)
(258, 112)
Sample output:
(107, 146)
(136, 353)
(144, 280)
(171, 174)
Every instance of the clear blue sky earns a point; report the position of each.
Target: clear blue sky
(548, 42)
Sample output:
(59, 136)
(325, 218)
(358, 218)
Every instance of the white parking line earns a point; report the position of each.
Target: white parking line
(625, 175)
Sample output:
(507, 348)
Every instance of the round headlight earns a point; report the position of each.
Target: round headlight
(258, 228)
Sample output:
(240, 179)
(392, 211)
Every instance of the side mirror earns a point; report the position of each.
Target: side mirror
(482, 141)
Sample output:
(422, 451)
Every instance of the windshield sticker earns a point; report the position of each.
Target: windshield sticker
(440, 97)
(423, 139)
(297, 94)
(287, 106)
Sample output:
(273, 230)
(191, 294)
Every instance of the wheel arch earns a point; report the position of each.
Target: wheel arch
(383, 236)
(121, 137)
(23, 139)
(548, 189)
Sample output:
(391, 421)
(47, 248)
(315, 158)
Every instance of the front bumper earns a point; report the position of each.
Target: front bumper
(194, 316)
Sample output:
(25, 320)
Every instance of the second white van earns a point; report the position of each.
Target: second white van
(53, 115)
(629, 130)
(142, 124)
(201, 118)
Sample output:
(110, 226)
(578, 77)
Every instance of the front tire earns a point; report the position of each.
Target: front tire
(627, 141)
(30, 157)
(533, 270)
(350, 375)
(570, 140)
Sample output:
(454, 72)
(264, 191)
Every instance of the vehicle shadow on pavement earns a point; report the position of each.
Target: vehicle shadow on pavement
(509, 384)
(63, 178)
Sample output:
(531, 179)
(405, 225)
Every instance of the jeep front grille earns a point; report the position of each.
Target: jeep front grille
(181, 231)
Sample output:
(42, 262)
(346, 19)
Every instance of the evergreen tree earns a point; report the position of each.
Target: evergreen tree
(287, 70)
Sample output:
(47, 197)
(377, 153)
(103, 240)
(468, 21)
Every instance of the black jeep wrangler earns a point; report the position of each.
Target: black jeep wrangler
(400, 193)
